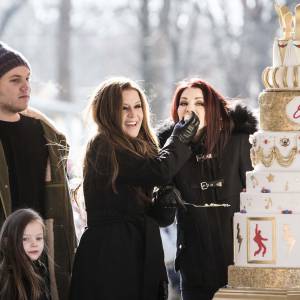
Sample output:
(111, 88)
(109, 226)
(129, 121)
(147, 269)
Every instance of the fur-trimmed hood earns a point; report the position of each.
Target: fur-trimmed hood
(36, 114)
(243, 119)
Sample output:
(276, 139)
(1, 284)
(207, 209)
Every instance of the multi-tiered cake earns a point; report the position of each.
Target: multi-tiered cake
(267, 230)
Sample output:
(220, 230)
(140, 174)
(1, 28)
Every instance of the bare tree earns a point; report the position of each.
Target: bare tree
(242, 54)
(163, 50)
(64, 50)
(9, 13)
(145, 40)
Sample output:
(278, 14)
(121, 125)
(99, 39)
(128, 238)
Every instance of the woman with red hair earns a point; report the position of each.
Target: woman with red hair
(210, 183)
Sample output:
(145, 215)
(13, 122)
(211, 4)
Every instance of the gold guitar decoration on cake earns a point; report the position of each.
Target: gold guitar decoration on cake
(268, 203)
(286, 187)
(254, 181)
(270, 177)
(289, 237)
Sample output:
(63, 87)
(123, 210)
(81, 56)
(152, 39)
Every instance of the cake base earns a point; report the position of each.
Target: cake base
(256, 294)
(264, 278)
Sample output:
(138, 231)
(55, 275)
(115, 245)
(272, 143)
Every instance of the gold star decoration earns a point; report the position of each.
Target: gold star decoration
(270, 177)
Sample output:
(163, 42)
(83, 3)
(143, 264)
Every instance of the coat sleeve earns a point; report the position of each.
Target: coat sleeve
(159, 170)
(245, 161)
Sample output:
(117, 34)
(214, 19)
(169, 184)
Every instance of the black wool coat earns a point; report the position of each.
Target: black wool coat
(120, 255)
(204, 235)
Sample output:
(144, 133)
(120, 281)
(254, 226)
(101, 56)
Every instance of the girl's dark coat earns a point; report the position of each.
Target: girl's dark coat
(204, 236)
(120, 255)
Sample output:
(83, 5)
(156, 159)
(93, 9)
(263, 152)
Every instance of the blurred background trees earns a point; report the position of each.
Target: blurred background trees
(73, 45)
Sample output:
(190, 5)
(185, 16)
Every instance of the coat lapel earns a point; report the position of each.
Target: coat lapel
(4, 184)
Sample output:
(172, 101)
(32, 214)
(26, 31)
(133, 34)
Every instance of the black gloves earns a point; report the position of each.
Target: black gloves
(164, 205)
(185, 130)
(167, 197)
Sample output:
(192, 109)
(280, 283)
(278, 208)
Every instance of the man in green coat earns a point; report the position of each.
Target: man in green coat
(33, 168)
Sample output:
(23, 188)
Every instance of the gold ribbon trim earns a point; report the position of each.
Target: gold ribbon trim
(258, 156)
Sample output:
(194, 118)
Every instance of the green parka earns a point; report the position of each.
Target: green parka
(60, 232)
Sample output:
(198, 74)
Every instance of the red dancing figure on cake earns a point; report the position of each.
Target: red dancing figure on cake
(258, 239)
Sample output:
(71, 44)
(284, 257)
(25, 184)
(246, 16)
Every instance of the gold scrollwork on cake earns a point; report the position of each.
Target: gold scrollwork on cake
(282, 77)
(263, 277)
(289, 238)
(273, 116)
(258, 156)
(265, 76)
(274, 77)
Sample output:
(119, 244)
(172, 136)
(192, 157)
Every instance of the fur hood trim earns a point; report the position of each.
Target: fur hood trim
(36, 114)
(243, 119)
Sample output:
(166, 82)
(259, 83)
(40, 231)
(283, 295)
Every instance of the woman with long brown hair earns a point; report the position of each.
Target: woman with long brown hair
(210, 183)
(120, 255)
(23, 276)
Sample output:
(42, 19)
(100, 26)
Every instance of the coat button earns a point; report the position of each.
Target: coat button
(180, 246)
(6, 186)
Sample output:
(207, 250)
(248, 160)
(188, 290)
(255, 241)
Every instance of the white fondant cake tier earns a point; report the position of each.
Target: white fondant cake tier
(273, 181)
(275, 150)
(286, 53)
(285, 72)
(263, 240)
(270, 202)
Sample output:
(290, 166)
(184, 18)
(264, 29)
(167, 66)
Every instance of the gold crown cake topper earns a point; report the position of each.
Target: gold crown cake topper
(289, 24)
(285, 70)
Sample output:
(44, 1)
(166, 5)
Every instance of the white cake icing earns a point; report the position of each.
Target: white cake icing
(267, 230)
(286, 53)
(276, 150)
(282, 244)
(270, 202)
(273, 182)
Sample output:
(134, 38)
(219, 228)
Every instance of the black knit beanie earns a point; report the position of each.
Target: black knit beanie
(10, 58)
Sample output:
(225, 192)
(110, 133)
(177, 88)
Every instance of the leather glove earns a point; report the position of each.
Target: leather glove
(167, 197)
(185, 130)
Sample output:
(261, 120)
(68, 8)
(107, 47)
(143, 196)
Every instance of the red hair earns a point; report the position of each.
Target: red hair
(216, 112)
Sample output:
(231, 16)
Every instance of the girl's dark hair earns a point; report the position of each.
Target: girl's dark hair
(18, 278)
(216, 113)
(106, 109)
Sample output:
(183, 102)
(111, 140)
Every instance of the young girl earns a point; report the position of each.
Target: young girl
(22, 275)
